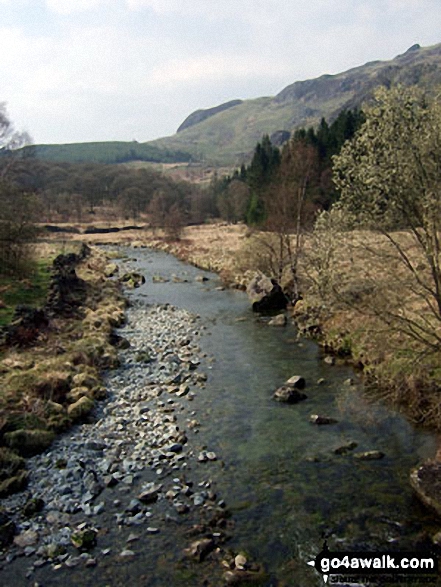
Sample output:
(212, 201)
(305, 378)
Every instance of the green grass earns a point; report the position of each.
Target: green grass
(30, 290)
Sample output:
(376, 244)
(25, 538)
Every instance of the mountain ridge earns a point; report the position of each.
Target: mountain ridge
(229, 136)
(226, 135)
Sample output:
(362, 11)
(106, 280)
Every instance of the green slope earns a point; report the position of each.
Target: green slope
(228, 137)
(108, 152)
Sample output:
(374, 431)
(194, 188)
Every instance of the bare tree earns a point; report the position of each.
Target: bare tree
(289, 210)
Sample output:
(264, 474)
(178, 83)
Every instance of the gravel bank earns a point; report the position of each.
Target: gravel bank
(132, 469)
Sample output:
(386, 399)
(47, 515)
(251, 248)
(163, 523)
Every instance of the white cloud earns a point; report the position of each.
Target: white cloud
(213, 68)
(66, 7)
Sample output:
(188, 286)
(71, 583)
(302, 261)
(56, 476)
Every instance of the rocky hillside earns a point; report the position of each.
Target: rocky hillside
(200, 115)
(228, 133)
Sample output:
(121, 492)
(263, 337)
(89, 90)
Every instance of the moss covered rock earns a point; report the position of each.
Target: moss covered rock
(13, 484)
(85, 379)
(80, 409)
(77, 393)
(111, 269)
(29, 442)
(84, 539)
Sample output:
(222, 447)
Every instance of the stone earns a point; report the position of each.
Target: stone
(111, 269)
(322, 420)
(26, 538)
(199, 549)
(93, 483)
(134, 507)
(150, 494)
(159, 279)
(296, 382)
(183, 390)
(132, 279)
(329, 360)
(369, 455)
(127, 553)
(240, 562)
(84, 539)
(426, 483)
(279, 320)
(289, 395)
(345, 448)
(181, 508)
(266, 294)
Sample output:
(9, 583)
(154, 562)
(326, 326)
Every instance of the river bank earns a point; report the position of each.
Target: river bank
(132, 471)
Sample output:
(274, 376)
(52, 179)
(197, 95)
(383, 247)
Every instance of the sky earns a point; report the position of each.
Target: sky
(100, 70)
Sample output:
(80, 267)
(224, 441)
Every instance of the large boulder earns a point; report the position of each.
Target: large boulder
(266, 294)
(426, 482)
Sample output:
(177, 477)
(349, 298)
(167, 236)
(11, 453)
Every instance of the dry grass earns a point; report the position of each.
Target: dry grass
(42, 388)
(369, 282)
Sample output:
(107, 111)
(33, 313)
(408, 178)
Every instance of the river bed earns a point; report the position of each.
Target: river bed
(277, 473)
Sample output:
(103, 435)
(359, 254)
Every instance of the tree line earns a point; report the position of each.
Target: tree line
(245, 195)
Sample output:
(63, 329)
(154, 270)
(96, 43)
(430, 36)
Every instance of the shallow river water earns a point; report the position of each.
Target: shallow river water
(284, 484)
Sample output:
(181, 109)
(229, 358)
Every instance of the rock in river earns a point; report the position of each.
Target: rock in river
(289, 395)
(321, 420)
(266, 294)
(296, 382)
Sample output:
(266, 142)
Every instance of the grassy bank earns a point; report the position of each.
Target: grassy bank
(31, 290)
(48, 385)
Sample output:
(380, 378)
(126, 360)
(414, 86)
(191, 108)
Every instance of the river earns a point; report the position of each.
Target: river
(286, 487)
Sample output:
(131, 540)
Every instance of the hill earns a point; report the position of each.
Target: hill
(228, 136)
(108, 152)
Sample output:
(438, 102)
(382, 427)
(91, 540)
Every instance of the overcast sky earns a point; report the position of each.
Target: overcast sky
(95, 70)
